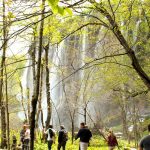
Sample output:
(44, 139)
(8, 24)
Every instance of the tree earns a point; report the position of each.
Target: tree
(2, 103)
(40, 111)
(36, 87)
(109, 21)
(49, 106)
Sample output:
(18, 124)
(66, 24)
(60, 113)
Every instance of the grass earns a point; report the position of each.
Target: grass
(97, 143)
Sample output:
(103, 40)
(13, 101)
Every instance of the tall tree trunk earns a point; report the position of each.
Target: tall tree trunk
(42, 119)
(135, 120)
(40, 97)
(7, 110)
(115, 29)
(2, 105)
(28, 107)
(36, 88)
(85, 109)
(124, 110)
(49, 106)
(33, 56)
(22, 101)
(124, 122)
(72, 131)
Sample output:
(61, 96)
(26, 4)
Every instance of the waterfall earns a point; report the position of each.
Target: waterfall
(63, 61)
(56, 90)
(27, 83)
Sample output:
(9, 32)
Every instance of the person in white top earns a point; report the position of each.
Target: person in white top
(51, 136)
(26, 137)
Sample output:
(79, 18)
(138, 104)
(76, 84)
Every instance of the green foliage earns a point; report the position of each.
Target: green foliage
(53, 3)
(107, 74)
(58, 9)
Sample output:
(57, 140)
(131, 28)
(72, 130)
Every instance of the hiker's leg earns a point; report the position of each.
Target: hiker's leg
(111, 148)
(22, 145)
(25, 144)
(50, 143)
(64, 146)
(83, 146)
(28, 144)
(49, 146)
(59, 146)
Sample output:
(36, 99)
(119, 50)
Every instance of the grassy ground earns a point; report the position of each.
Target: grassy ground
(96, 144)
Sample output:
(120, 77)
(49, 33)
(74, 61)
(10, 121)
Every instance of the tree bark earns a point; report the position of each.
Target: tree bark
(40, 97)
(124, 122)
(49, 106)
(72, 131)
(7, 110)
(85, 113)
(33, 55)
(36, 88)
(2, 104)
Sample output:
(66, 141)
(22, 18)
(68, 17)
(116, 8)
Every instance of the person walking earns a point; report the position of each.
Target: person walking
(14, 143)
(112, 140)
(26, 137)
(85, 135)
(22, 135)
(145, 141)
(62, 138)
(51, 136)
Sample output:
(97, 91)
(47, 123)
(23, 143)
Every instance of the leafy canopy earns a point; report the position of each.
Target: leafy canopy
(58, 9)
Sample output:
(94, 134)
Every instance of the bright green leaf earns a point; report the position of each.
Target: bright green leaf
(68, 10)
(60, 10)
(53, 3)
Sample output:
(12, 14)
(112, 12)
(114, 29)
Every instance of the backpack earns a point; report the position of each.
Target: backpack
(65, 136)
(51, 133)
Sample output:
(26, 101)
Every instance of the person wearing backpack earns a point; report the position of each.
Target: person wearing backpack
(62, 138)
(112, 140)
(51, 136)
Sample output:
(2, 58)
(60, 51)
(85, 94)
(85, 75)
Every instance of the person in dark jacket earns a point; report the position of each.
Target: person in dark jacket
(145, 141)
(112, 140)
(62, 138)
(85, 135)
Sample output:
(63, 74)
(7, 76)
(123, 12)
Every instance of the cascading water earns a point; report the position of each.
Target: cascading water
(67, 96)
(64, 60)
(56, 90)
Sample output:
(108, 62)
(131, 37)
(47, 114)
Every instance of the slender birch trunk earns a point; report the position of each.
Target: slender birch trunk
(49, 106)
